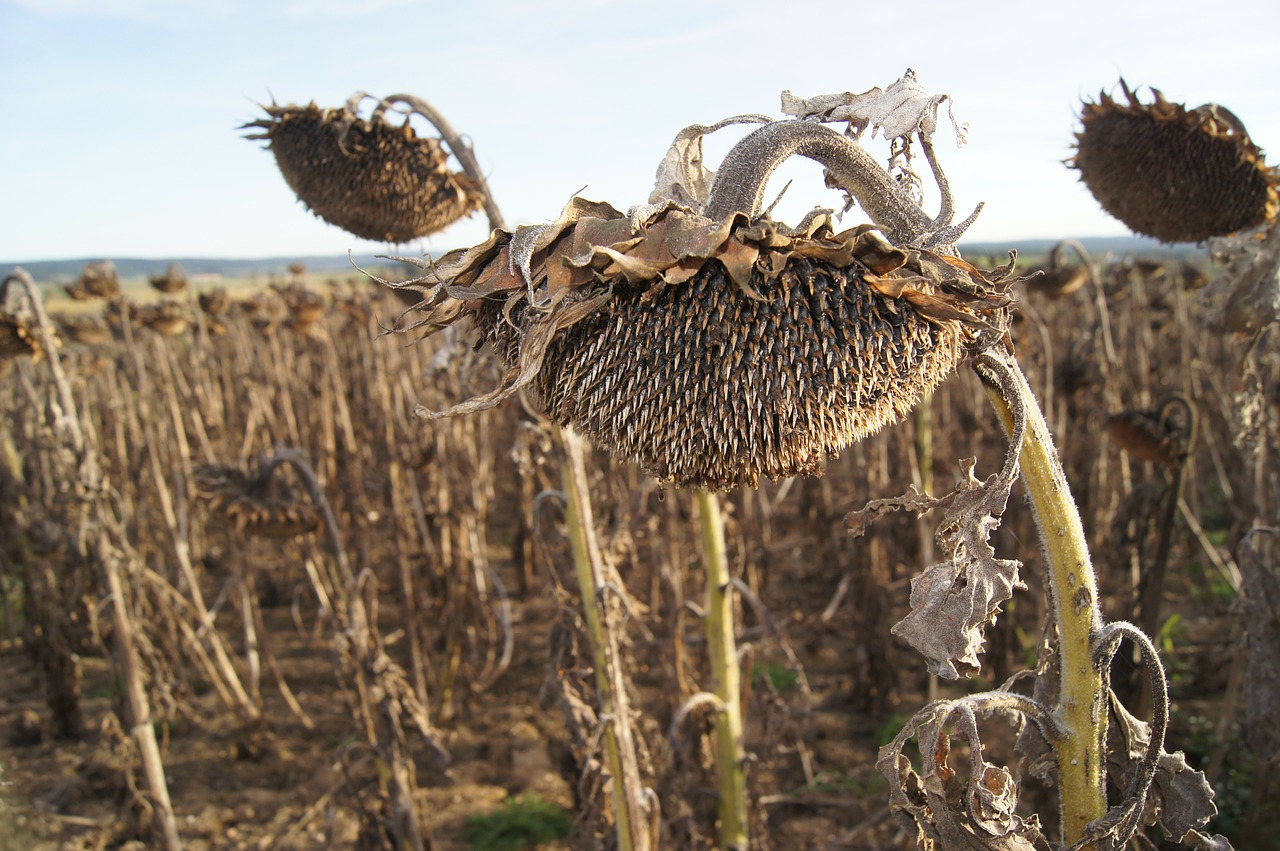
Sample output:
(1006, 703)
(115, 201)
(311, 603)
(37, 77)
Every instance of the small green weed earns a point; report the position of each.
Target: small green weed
(782, 678)
(524, 822)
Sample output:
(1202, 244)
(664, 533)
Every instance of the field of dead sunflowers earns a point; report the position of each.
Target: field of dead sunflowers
(251, 600)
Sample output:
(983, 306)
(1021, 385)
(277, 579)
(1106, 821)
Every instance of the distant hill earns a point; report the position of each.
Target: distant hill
(1097, 246)
(59, 271)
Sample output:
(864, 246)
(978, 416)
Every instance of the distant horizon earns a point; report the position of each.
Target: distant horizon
(983, 245)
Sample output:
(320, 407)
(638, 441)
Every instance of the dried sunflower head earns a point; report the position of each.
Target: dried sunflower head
(370, 177)
(1176, 174)
(1059, 277)
(166, 318)
(715, 352)
(173, 280)
(214, 302)
(710, 344)
(86, 330)
(16, 337)
(1163, 434)
(99, 279)
(255, 503)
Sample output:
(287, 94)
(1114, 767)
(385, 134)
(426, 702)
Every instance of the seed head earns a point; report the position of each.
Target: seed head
(370, 177)
(98, 280)
(255, 502)
(172, 281)
(713, 353)
(16, 337)
(1176, 174)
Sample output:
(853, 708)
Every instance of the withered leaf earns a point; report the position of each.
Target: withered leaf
(1182, 795)
(1245, 297)
(948, 814)
(954, 601)
(683, 176)
(900, 110)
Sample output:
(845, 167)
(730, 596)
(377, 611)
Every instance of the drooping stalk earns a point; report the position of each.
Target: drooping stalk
(1072, 585)
(740, 182)
(722, 647)
(614, 708)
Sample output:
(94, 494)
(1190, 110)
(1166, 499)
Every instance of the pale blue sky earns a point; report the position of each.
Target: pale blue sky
(118, 118)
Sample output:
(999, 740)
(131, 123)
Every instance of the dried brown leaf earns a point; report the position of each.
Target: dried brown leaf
(1245, 297)
(980, 813)
(954, 601)
(1182, 796)
(900, 110)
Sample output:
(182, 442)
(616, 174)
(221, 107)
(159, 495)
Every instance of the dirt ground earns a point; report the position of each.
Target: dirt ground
(279, 785)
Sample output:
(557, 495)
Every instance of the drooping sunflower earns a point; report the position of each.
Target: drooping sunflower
(255, 502)
(711, 344)
(369, 176)
(1173, 173)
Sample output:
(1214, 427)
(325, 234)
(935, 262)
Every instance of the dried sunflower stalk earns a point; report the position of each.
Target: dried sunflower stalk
(705, 341)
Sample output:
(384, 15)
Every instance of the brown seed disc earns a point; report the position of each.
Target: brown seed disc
(371, 178)
(705, 386)
(1171, 173)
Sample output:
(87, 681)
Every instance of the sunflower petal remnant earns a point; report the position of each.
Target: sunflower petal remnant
(1173, 173)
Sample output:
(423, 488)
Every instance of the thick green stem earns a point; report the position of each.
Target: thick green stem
(1082, 696)
(614, 708)
(730, 751)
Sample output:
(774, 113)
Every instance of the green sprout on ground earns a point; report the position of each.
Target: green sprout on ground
(524, 822)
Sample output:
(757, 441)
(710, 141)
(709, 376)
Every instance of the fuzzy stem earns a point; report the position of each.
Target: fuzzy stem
(1082, 697)
(730, 751)
(620, 755)
(740, 183)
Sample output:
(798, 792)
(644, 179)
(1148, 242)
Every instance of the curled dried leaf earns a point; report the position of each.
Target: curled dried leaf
(904, 108)
(683, 176)
(975, 807)
(1245, 296)
(954, 601)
